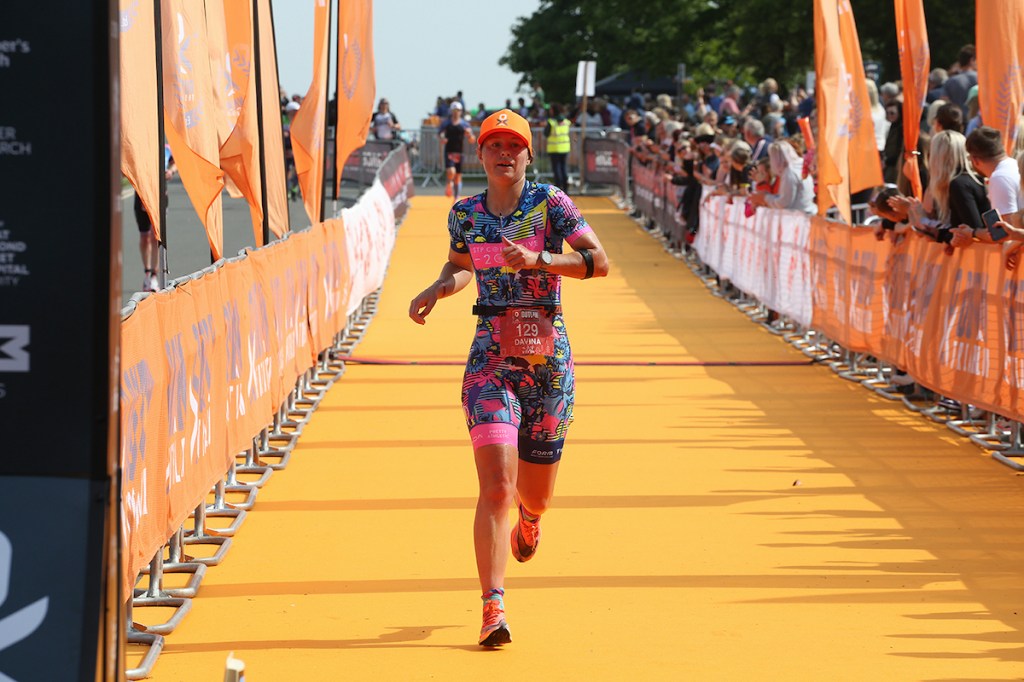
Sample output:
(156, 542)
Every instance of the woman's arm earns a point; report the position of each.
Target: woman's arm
(456, 273)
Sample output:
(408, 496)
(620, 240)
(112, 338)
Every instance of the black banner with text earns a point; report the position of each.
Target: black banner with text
(59, 325)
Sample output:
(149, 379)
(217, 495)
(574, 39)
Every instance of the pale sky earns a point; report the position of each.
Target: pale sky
(421, 50)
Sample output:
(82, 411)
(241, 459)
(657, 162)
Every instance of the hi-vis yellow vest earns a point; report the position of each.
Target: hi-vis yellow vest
(558, 141)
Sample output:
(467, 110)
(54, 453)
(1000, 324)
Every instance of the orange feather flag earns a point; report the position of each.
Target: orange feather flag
(356, 85)
(141, 149)
(1000, 33)
(915, 62)
(190, 125)
(833, 105)
(308, 127)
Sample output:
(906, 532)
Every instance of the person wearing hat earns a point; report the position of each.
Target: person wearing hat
(454, 133)
(518, 386)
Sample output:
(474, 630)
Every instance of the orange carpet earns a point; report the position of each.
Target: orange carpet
(710, 523)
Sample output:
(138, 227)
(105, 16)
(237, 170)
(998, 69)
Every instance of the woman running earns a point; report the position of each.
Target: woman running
(518, 388)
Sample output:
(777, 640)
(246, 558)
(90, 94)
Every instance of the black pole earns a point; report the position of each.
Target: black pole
(335, 174)
(277, 68)
(258, 68)
(162, 175)
(327, 91)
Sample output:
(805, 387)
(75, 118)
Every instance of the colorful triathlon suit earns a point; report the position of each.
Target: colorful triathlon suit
(518, 400)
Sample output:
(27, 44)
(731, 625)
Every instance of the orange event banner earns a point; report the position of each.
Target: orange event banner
(141, 148)
(357, 86)
(1000, 33)
(848, 267)
(954, 323)
(308, 126)
(915, 62)
(190, 124)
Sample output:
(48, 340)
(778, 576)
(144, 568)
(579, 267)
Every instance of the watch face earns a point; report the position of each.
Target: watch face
(545, 258)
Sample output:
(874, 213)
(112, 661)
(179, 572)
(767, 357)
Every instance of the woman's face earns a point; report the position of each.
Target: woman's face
(504, 157)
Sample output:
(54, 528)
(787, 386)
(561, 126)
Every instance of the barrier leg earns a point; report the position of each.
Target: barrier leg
(1015, 451)
(155, 644)
(199, 535)
(156, 596)
(997, 436)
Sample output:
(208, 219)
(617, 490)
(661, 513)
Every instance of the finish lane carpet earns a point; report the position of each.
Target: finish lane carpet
(710, 522)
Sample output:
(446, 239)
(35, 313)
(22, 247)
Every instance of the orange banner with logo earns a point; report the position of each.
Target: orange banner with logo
(142, 154)
(273, 136)
(915, 63)
(848, 268)
(239, 151)
(865, 163)
(833, 104)
(1000, 45)
(357, 86)
(954, 323)
(144, 502)
(190, 125)
(308, 125)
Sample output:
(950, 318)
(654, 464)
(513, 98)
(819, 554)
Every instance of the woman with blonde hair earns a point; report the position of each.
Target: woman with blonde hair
(957, 193)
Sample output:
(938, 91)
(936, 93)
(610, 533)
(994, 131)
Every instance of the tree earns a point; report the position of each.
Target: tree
(740, 40)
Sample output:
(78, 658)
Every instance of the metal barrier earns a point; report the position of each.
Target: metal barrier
(429, 163)
(1001, 436)
(270, 451)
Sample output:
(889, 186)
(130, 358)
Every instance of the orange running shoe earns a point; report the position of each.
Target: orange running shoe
(525, 537)
(495, 630)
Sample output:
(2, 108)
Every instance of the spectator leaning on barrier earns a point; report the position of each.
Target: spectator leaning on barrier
(955, 191)
(795, 192)
(988, 156)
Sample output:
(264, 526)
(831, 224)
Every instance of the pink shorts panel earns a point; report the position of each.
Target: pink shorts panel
(493, 433)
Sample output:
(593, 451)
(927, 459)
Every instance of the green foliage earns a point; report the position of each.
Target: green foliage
(740, 40)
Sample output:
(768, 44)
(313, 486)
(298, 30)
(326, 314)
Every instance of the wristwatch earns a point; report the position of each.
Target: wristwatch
(545, 258)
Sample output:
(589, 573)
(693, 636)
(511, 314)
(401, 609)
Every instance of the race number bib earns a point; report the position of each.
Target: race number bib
(454, 157)
(527, 331)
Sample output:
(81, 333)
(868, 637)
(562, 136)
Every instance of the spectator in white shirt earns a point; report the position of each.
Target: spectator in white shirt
(988, 156)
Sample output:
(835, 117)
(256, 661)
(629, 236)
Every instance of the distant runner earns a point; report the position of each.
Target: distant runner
(518, 388)
(453, 134)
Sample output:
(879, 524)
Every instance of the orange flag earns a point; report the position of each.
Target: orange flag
(239, 153)
(1000, 31)
(273, 136)
(308, 126)
(833, 104)
(915, 62)
(141, 149)
(189, 121)
(865, 163)
(356, 85)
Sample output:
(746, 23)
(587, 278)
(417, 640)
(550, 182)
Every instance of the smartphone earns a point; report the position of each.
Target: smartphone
(991, 218)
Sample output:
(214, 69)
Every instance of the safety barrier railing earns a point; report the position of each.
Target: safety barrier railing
(220, 373)
(942, 334)
(428, 155)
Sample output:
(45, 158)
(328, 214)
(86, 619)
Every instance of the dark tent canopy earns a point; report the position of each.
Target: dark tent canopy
(627, 82)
